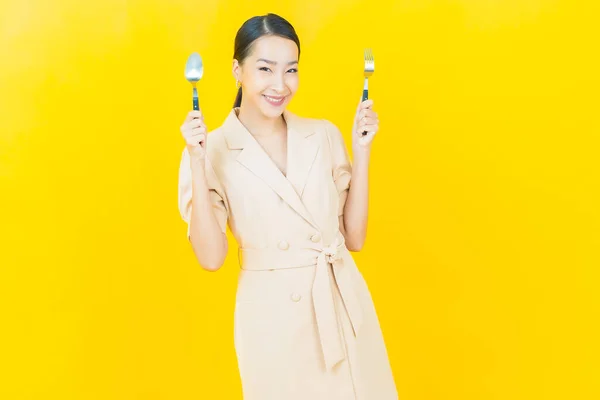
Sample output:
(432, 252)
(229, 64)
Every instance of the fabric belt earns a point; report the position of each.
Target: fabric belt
(310, 255)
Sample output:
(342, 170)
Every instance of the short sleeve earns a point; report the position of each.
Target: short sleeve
(341, 166)
(216, 192)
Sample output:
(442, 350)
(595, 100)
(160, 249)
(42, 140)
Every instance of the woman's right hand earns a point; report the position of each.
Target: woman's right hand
(194, 133)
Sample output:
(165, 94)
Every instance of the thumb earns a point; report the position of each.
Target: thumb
(364, 104)
(358, 107)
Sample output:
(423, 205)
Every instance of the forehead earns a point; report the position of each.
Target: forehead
(274, 48)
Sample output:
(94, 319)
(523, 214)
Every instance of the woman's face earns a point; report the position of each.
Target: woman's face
(269, 75)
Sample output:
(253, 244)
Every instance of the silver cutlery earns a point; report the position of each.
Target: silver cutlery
(369, 69)
(194, 70)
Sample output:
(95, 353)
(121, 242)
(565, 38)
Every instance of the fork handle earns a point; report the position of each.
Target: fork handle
(365, 96)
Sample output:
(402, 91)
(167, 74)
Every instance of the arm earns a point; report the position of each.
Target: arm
(209, 243)
(353, 221)
(202, 207)
(352, 182)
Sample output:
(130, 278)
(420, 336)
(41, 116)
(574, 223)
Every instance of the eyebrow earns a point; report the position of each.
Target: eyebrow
(275, 62)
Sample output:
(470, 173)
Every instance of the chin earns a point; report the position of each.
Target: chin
(271, 112)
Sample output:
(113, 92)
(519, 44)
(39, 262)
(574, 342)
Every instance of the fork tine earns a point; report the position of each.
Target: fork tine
(369, 60)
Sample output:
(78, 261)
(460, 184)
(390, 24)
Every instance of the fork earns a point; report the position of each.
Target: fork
(369, 69)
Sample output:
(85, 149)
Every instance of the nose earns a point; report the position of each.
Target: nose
(278, 83)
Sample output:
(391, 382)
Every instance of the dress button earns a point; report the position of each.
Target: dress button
(315, 238)
(283, 245)
(296, 297)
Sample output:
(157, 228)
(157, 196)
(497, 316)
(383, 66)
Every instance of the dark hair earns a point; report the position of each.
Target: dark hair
(255, 28)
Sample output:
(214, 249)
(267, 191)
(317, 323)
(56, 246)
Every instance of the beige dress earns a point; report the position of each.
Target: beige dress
(305, 324)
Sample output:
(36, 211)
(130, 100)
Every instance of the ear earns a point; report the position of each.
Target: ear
(236, 70)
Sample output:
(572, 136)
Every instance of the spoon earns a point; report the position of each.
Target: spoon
(193, 72)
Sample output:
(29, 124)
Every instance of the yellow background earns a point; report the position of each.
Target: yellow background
(484, 235)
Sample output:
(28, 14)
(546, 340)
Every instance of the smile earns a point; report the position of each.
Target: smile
(274, 100)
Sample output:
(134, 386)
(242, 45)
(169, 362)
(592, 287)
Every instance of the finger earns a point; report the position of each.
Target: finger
(195, 123)
(193, 115)
(367, 112)
(366, 104)
(369, 121)
(197, 139)
(371, 127)
(368, 128)
(371, 113)
(199, 130)
(363, 105)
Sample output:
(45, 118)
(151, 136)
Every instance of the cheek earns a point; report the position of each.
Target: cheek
(255, 82)
(292, 82)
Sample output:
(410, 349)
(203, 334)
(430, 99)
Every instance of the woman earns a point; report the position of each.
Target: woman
(305, 325)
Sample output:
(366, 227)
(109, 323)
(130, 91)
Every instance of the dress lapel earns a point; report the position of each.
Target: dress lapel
(303, 147)
(300, 156)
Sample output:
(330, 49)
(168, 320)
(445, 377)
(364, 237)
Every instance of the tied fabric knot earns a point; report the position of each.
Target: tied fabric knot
(334, 289)
(331, 252)
(324, 300)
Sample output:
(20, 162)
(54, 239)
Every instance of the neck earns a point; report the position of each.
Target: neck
(259, 125)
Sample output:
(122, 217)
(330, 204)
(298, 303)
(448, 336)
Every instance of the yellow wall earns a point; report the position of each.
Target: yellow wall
(484, 235)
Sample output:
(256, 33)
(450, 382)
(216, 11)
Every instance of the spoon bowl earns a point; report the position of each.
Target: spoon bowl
(194, 69)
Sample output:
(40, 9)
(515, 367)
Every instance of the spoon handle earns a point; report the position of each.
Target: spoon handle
(195, 99)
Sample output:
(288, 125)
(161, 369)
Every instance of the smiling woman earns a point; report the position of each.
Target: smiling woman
(305, 324)
(273, 79)
(270, 50)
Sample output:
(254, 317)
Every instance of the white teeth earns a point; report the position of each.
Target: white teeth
(274, 100)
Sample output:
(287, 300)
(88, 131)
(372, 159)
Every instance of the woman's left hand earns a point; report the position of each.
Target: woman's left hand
(365, 120)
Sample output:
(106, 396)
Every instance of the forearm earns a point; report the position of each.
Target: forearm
(208, 241)
(356, 208)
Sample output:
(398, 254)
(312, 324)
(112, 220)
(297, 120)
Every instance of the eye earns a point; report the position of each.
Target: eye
(293, 70)
(266, 69)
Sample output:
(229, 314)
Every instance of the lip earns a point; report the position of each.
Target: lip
(278, 99)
